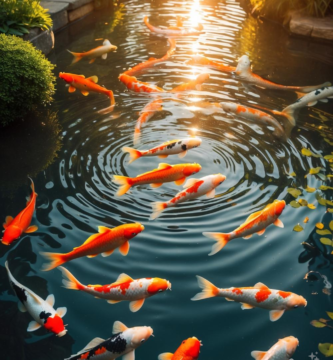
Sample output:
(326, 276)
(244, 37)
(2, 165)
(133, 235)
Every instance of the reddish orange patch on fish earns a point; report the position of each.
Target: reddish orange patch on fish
(237, 291)
(100, 351)
(262, 295)
(284, 294)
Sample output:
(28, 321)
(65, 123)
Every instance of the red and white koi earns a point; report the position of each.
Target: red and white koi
(124, 289)
(202, 60)
(259, 296)
(123, 343)
(132, 83)
(255, 223)
(164, 173)
(100, 51)
(188, 350)
(282, 350)
(191, 85)
(244, 73)
(41, 310)
(172, 147)
(173, 31)
(194, 188)
(104, 242)
(15, 227)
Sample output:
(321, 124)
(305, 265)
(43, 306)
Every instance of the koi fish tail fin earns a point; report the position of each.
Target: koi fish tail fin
(137, 134)
(149, 26)
(208, 289)
(221, 241)
(289, 113)
(77, 56)
(158, 207)
(124, 182)
(69, 281)
(134, 154)
(307, 89)
(111, 96)
(56, 260)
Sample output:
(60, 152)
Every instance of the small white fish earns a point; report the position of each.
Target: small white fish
(282, 350)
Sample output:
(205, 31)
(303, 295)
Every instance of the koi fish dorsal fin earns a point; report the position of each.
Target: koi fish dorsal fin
(103, 229)
(165, 356)
(93, 79)
(261, 286)
(258, 355)
(252, 216)
(118, 327)
(90, 238)
(190, 182)
(91, 344)
(164, 166)
(148, 172)
(50, 300)
(169, 142)
(123, 278)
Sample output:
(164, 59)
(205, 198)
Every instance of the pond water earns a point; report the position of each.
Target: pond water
(76, 193)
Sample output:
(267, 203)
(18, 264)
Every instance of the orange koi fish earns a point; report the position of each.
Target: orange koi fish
(282, 350)
(188, 350)
(244, 73)
(173, 31)
(193, 84)
(202, 60)
(164, 173)
(85, 85)
(171, 147)
(194, 188)
(255, 223)
(153, 61)
(259, 296)
(14, 228)
(105, 242)
(132, 83)
(124, 289)
(100, 51)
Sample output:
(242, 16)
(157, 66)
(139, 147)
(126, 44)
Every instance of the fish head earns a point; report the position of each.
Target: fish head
(291, 344)
(56, 325)
(139, 334)
(191, 347)
(217, 179)
(11, 233)
(202, 78)
(106, 42)
(158, 285)
(228, 107)
(190, 169)
(68, 78)
(193, 142)
(244, 64)
(132, 230)
(295, 301)
(279, 206)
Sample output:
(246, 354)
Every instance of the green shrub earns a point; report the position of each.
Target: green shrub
(26, 77)
(18, 16)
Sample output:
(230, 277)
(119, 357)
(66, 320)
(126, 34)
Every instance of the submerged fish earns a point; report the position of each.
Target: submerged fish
(194, 188)
(244, 73)
(260, 296)
(85, 85)
(124, 289)
(188, 350)
(41, 310)
(132, 83)
(104, 242)
(202, 60)
(255, 115)
(173, 31)
(171, 147)
(123, 343)
(100, 51)
(255, 223)
(164, 173)
(15, 227)
(193, 84)
(282, 350)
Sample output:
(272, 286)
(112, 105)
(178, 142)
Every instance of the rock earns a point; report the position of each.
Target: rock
(323, 28)
(58, 12)
(74, 4)
(42, 40)
(300, 25)
(80, 12)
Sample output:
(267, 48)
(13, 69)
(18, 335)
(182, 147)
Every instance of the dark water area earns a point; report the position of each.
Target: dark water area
(75, 192)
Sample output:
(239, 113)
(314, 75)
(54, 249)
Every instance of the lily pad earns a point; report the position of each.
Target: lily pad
(325, 187)
(321, 176)
(303, 202)
(330, 314)
(317, 324)
(298, 228)
(330, 225)
(308, 152)
(328, 157)
(310, 189)
(323, 232)
(311, 206)
(320, 226)
(320, 200)
(326, 349)
(294, 192)
(330, 210)
(293, 174)
(314, 171)
(326, 241)
(294, 204)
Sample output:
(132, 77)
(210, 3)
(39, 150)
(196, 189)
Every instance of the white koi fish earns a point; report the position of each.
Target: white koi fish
(255, 223)
(244, 73)
(259, 296)
(194, 188)
(41, 310)
(173, 31)
(124, 289)
(282, 350)
(123, 343)
(171, 147)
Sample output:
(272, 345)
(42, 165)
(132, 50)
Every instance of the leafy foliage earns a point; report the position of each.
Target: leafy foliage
(17, 16)
(26, 78)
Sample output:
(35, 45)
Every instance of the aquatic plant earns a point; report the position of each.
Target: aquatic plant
(18, 16)
(26, 78)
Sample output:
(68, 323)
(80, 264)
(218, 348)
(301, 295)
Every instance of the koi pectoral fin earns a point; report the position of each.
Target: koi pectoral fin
(180, 181)
(33, 325)
(246, 306)
(85, 93)
(21, 307)
(124, 248)
(278, 223)
(104, 56)
(31, 229)
(211, 194)
(275, 315)
(71, 89)
(91, 61)
(136, 305)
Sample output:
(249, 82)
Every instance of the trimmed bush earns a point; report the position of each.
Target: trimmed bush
(26, 77)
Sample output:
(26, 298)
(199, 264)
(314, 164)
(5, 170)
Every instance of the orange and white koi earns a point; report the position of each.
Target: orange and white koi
(255, 223)
(244, 73)
(124, 289)
(171, 147)
(153, 61)
(104, 242)
(85, 85)
(259, 296)
(282, 350)
(164, 173)
(193, 84)
(188, 350)
(194, 188)
(132, 83)
(173, 31)
(15, 227)
(123, 343)
(41, 310)
(202, 60)
(255, 115)
(100, 51)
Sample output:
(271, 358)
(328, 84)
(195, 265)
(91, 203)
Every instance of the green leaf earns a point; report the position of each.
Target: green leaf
(294, 204)
(330, 225)
(317, 324)
(323, 232)
(326, 241)
(320, 226)
(294, 192)
(23, 30)
(328, 157)
(324, 187)
(293, 174)
(330, 314)
(11, 22)
(310, 189)
(298, 228)
(14, 32)
(321, 176)
(326, 349)
(320, 200)
(314, 171)
(330, 210)
(303, 202)
(308, 152)
(311, 206)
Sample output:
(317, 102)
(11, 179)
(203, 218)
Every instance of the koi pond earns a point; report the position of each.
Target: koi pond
(73, 152)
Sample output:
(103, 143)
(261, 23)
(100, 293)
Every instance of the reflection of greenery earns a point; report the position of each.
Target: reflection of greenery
(327, 348)
(26, 148)
(115, 19)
